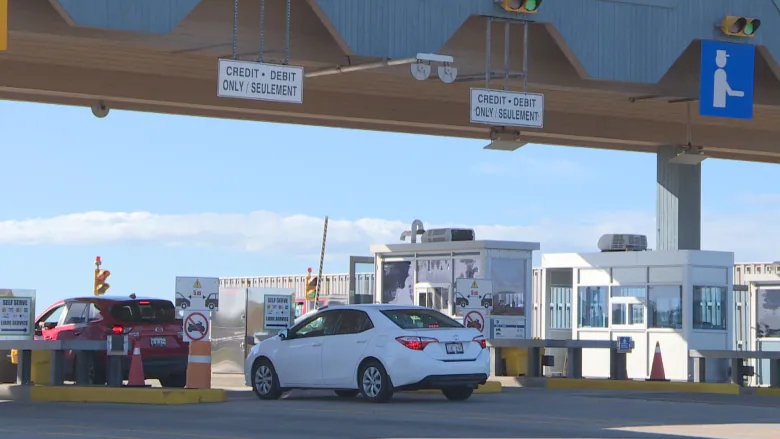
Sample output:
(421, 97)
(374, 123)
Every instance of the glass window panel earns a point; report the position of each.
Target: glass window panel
(664, 306)
(593, 305)
(639, 292)
(709, 307)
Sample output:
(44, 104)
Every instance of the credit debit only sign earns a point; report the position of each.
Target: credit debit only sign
(259, 81)
(507, 108)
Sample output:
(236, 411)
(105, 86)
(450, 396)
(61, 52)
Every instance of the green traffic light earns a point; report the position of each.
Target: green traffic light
(531, 5)
(749, 29)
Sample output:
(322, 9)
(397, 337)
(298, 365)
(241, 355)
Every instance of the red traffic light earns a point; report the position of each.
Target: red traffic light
(97, 258)
(103, 275)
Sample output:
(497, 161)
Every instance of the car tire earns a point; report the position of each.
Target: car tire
(211, 306)
(459, 393)
(374, 382)
(97, 369)
(178, 380)
(347, 393)
(265, 381)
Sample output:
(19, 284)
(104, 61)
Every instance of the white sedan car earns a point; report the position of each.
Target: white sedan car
(371, 349)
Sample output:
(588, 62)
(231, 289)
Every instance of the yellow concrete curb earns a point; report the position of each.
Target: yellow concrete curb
(126, 395)
(655, 386)
(488, 387)
(767, 391)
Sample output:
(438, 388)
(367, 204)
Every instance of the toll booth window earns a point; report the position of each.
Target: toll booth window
(144, 311)
(664, 306)
(593, 307)
(420, 319)
(709, 308)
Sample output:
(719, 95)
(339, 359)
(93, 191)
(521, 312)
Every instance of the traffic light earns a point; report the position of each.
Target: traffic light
(100, 278)
(740, 26)
(311, 286)
(521, 6)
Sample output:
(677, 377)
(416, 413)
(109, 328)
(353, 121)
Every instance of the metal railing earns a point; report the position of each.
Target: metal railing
(738, 368)
(574, 350)
(114, 350)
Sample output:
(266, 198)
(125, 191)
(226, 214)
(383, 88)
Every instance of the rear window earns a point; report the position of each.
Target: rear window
(141, 311)
(420, 319)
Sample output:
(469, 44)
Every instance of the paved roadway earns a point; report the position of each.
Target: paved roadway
(516, 413)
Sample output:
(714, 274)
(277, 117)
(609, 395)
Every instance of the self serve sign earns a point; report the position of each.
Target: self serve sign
(506, 108)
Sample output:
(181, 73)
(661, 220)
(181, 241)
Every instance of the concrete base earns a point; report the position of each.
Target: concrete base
(643, 386)
(122, 395)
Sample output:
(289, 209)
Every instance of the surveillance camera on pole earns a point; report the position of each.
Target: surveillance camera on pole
(421, 70)
(100, 109)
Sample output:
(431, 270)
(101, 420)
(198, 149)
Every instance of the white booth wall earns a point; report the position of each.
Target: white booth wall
(680, 299)
(401, 268)
(762, 318)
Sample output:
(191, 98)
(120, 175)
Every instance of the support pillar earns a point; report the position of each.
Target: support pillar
(678, 203)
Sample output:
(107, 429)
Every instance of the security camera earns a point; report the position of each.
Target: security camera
(99, 109)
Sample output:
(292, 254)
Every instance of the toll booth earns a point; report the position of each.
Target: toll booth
(758, 314)
(427, 274)
(678, 300)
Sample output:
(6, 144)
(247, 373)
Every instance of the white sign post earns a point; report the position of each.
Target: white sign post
(507, 108)
(197, 293)
(473, 294)
(278, 313)
(259, 81)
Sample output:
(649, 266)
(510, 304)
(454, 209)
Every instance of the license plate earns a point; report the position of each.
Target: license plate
(158, 342)
(454, 348)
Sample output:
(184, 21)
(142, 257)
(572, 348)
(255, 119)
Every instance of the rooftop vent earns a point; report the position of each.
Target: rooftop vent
(623, 243)
(448, 235)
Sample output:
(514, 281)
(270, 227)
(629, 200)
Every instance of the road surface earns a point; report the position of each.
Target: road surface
(516, 413)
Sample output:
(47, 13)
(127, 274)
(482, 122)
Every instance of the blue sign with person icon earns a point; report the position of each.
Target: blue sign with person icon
(726, 79)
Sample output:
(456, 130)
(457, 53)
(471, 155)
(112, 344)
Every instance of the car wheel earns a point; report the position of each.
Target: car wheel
(96, 370)
(265, 381)
(374, 382)
(460, 393)
(347, 393)
(211, 306)
(184, 305)
(178, 380)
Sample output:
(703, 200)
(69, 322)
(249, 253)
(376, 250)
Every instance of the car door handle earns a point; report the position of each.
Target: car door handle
(361, 341)
(314, 345)
(77, 334)
(47, 338)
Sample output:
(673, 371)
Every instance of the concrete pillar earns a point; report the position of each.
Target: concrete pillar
(678, 203)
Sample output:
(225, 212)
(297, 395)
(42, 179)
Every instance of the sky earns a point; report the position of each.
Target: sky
(160, 196)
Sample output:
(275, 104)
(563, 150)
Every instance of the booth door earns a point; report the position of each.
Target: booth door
(435, 296)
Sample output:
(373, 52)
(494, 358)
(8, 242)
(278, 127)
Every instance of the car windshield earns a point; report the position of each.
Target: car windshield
(420, 319)
(140, 311)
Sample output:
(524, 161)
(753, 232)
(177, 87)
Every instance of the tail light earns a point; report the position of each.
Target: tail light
(481, 340)
(117, 329)
(416, 343)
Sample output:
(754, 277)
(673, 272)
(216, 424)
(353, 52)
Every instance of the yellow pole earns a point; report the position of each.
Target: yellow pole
(3, 24)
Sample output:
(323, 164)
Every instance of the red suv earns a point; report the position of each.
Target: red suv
(155, 321)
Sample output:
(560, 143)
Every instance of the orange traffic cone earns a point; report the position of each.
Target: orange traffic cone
(657, 371)
(136, 376)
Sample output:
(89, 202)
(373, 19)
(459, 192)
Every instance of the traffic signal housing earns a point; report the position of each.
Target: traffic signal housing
(100, 282)
(521, 6)
(311, 287)
(734, 26)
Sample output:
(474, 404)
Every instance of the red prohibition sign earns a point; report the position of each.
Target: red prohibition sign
(474, 319)
(193, 327)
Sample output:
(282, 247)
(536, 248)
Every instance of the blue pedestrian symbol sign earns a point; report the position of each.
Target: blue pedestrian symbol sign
(625, 344)
(726, 80)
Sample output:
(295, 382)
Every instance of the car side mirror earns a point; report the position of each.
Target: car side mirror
(38, 332)
(283, 334)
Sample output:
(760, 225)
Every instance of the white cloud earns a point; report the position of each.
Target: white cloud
(752, 236)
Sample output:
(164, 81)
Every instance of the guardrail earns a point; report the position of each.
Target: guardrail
(115, 348)
(738, 367)
(574, 349)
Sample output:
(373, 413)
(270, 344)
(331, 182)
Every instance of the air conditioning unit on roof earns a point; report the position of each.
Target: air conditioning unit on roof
(447, 235)
(623, 243)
